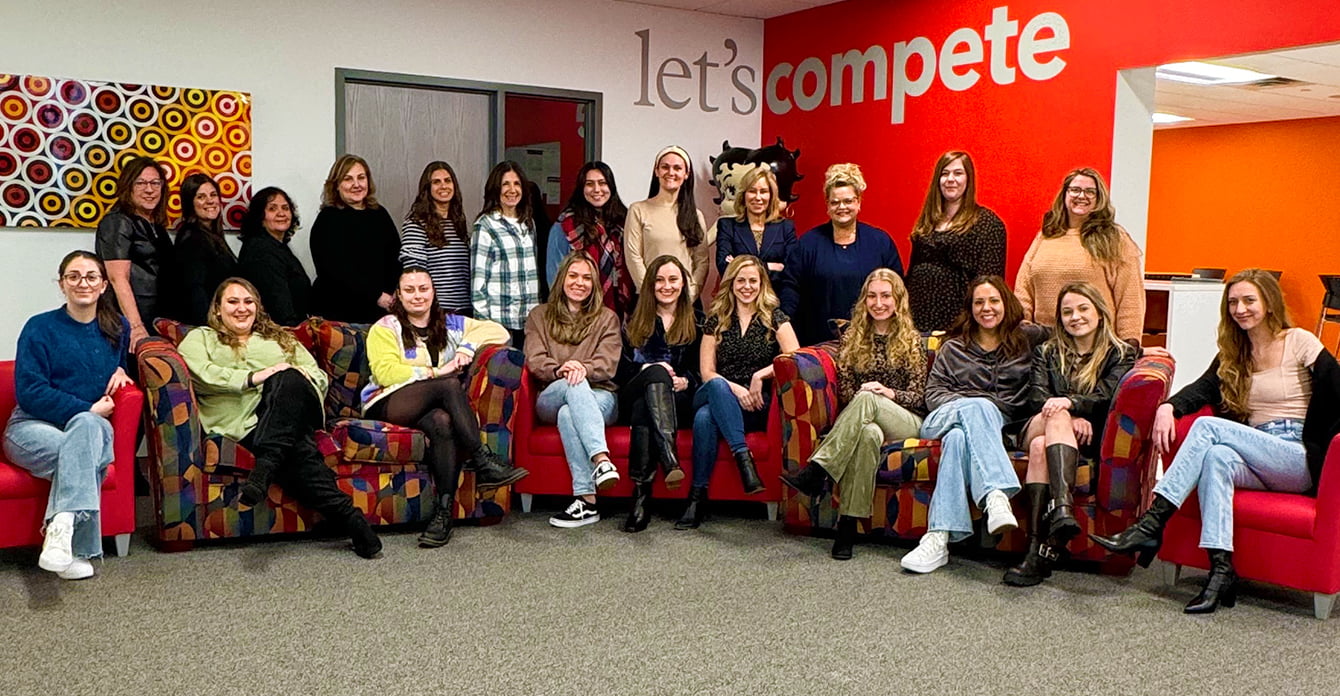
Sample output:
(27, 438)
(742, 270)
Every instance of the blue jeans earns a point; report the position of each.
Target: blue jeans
(716, 412)
(74, 460)
(973, 462)
(582, 414)
(1220, 455)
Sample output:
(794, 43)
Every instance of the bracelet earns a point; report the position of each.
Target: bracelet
(251, 379)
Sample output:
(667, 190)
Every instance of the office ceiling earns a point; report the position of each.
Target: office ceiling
(757, 9)
(1315, 94)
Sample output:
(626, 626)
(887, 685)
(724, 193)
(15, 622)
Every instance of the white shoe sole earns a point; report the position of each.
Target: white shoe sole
(607, 482)
(78, 570)
(924, 568)
(573, 524)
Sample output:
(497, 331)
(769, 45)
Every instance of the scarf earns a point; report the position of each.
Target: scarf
(607, 250)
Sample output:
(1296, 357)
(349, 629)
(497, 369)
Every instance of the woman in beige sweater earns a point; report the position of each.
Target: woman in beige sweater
(668, 222)
(572, 347)
(1081, 242)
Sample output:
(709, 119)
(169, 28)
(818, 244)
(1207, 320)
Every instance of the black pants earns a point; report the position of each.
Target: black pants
(285, 437)
(633, 398)
(518, 338)
(440, 408)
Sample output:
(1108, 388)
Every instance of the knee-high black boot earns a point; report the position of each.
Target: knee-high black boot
(313, 484)
(660, 401)
(642, 470)
(1220, 588)
(1145, 536)
(1037, 563)
(1062, 461)
(748, 473)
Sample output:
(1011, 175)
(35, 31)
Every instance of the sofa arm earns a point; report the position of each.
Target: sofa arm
(1327, 529)
(172, 428)
(805, 383)
(495, 382)
(1126, 469)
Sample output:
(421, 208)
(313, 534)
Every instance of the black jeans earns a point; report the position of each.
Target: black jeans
(633, 398)
(440, 408)
(285, 438)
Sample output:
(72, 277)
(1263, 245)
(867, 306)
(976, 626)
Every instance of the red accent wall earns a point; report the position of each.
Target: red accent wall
(531, 120)
(1024, 136)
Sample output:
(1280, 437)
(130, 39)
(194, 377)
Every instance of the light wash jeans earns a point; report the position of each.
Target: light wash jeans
(74, 460)
(973, 462)
(1220, 455)
(582, 414)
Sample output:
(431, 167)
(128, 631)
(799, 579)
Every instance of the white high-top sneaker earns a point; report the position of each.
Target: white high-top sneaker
(999, 516)
(56, 552)
(931, 553)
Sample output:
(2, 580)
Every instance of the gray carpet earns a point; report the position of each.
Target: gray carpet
(737, 607)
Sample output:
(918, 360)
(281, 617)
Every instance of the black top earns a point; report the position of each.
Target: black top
(823, 278)
(682, 359)
(735, 238)
(739, 357)
(357, 258)
(200, 267)
(963, 369)
(1320, 424)
(279, 276)
(146, 246)
(1048, 381)
(945, 261)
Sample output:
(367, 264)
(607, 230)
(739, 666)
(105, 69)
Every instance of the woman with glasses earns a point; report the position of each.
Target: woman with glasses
(132, 240)
(827, 266)
(1080, 242)
(203, 257)
(69, 362)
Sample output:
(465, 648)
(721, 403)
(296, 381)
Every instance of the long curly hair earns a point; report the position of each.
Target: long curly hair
(109, 319)
(856, 350)
(262, 325)
(1012, 339)
(723, 304)
(1084, 372)
(437, 317)
(1099, 234)
(933, 208)
(1235, 348)
(424, 209)
(330, 191)
(565, 325)
(642, 324)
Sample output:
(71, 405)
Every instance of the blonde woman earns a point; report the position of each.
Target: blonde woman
(1274, 388)
(882, 388)
(744, 331)
(827, 265)
(1075, 374)
(668, 222)
(572, 347)
(758, 227)
(1080, 241)
(355, 247)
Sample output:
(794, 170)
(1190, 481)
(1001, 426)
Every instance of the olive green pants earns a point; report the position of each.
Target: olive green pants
(850, 451)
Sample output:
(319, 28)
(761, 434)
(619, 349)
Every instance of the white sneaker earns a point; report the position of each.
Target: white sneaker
(56, 553)
(605, 475)
(999, 516)
(579, 514)
(931, 553)
(80, 569)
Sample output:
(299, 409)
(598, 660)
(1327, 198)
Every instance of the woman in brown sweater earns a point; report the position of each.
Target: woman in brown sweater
(572, 347)
(1081, 242)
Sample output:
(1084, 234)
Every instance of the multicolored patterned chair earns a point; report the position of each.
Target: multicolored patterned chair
(1109, 492)
(194, 479)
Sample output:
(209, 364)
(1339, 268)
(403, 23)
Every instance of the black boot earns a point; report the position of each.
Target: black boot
(438, 531)
(1062, 460)
(253, 490)
(809, 481)
(693, 514)
(1037, 563)
(641, 469)
(366, 542)
(1220, 588)
(491, 471)
(845, 539)
(639, 516)
(660, 402)
(748, 474)
(1143, 537)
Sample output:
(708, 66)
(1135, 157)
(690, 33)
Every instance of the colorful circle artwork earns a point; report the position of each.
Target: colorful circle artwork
(63, 143)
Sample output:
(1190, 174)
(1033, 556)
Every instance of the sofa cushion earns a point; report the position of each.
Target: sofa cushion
(918, 461)
(341, 351)
(171, 329)
(377, 442)
(17, 483)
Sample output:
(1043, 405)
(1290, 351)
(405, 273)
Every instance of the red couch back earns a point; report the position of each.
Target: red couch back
(7, 400)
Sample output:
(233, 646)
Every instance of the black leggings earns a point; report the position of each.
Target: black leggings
(285, 437)
(633, 399)
(440, 408)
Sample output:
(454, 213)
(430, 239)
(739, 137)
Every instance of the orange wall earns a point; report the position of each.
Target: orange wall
(1259, 194)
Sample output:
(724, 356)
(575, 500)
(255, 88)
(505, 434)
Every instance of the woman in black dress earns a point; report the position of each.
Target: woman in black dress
(355, 247)
(203, 257)
(267, 261)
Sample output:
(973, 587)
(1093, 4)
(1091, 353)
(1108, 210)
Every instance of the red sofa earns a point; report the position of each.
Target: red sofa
(23, 497)
(538, 448)
(1280, 538)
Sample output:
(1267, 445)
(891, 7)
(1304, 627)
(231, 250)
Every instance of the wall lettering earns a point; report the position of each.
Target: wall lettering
(671, 73)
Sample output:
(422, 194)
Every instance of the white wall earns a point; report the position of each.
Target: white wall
(1132, 150)
(285, 55)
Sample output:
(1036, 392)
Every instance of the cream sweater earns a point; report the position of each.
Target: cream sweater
(651, 231)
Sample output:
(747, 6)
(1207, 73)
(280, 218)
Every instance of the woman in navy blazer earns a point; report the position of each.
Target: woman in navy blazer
(759, 228)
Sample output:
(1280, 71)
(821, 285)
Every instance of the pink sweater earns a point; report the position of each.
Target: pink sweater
(1051, 264)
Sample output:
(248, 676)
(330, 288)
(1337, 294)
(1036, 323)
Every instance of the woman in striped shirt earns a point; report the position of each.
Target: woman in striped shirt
(436, 236)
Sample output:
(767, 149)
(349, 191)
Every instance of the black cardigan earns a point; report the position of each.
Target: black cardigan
(1320, 424)
(279, 276)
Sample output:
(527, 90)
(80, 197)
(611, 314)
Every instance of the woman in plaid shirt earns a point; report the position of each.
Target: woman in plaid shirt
(505, 281)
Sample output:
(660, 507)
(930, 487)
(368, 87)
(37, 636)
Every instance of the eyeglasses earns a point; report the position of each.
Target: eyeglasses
(148, 183)
(89, 278)
(1078, 192)
(842, 202)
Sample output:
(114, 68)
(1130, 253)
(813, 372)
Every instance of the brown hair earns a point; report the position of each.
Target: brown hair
(1012, 339)
(1099, 234)
(641, 325)
(437, 317)
(857, 347)
(424, 210)
(263, 325)
(565, 325)
(125, 188)
(933, 208)
(330, 191)
(109, 319)
(1235, 348)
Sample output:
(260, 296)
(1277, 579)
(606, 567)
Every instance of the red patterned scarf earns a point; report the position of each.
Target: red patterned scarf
(607, 250)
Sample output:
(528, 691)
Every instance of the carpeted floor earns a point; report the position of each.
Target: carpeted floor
(738, 607)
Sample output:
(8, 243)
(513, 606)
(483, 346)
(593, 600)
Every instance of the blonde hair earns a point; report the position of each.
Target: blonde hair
(565, 325)
(1235, 348)
(845, 174)
(330, 191)
(856, 350)
(774, 211)
(723, 303)
(262, 325)
(1083, 373)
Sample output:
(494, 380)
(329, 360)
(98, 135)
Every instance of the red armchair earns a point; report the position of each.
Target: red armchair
(23, 497)
(538, 448)
(1281, 538)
